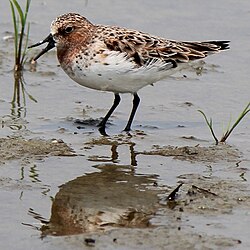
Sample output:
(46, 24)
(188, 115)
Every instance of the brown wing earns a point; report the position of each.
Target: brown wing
(142, 47)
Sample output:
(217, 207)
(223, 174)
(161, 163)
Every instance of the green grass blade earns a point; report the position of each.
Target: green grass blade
(15, 27)
(210, 126)
(229, 123)
(241, 116)
(27, 9)
(25, 45)
(20, 12)
(205, 117)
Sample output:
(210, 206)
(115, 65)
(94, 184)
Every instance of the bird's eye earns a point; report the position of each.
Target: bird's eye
(69, 29)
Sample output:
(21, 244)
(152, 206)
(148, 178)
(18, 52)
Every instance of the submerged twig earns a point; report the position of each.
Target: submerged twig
(204, 191)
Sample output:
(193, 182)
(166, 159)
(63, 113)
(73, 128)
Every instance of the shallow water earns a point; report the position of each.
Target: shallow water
(220, 87)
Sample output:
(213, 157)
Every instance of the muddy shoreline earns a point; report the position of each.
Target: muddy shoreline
(116, 207)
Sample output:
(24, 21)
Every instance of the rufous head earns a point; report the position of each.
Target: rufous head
(66, 31)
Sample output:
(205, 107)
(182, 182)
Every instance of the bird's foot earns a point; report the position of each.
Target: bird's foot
(127, 130)
(102, 131)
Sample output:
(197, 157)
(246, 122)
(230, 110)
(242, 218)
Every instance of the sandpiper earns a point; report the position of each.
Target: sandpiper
(119, 60)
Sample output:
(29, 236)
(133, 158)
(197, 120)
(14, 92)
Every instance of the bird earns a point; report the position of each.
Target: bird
(117, 59)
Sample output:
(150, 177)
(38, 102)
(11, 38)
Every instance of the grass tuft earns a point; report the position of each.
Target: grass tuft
(229, 128)
(19, 18)
(21, 36)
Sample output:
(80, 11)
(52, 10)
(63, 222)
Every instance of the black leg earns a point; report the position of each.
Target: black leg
(102, 124)
(136, 102)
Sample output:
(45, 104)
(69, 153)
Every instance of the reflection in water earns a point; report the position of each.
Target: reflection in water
(19, 96)
(114, 153)
(133, 155)
(33, 173)
(36, 216)
(113, 197)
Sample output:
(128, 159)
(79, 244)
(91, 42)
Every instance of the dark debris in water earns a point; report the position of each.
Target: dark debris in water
(89, 241)
(88, 122)
(203, 191)
(172, 196)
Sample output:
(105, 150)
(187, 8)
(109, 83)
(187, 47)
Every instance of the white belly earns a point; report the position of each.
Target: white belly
(118, 74)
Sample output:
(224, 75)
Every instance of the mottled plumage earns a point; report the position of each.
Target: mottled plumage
(119, 60)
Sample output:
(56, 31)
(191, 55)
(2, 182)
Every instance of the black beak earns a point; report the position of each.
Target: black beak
(51, 44)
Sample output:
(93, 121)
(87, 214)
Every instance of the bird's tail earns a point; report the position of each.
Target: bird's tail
(221, 45)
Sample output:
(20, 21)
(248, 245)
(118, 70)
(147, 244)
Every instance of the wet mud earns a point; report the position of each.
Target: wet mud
(117, 207)
(19, 148)
(197, 153)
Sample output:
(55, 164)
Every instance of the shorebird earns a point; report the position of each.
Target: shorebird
(119, 60)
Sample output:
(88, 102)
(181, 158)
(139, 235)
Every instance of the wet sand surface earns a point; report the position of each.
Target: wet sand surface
(64, 186)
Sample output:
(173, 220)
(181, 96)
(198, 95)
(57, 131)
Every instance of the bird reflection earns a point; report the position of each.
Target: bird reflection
(112, 197)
